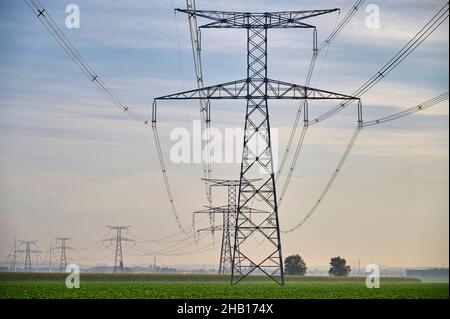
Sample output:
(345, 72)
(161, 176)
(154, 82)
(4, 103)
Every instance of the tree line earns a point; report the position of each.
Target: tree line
(295, 265)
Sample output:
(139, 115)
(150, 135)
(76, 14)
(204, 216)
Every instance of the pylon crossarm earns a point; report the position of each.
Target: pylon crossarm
(286, 90)
(229, 90)
(214, 210)
(242, 89)
(226, 182)
(221, 209)
(219, 227)
(227, 25)
(261, 20)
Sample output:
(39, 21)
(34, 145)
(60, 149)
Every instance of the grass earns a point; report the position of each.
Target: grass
(41, 285)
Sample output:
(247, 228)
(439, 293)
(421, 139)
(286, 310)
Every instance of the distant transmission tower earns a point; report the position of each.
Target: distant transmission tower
(359, 269)
(15, 256)
(118, 239)
(229, 221)
(63, 248)
(10, 259)
(256, 88)
(28, 251)
(50, 257)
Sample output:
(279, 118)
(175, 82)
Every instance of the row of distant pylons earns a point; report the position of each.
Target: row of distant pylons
(30, 249)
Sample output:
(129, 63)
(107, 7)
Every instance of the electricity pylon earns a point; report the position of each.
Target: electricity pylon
(257, 89)
(225, 250)
(11, 261)
(28, 251)
(50, 257)
(118, 239)
(63, 248)
(229, 221)
(15, 256)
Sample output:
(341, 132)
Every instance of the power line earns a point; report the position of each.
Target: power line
(96, 253)
(205, 120)
(174, 247)
(427, 104)
(421, 36)
(62, 40)
(401, 55)
(330, 182)
(294, 162)
(317, 49)
(420, 107)
(167, 239)
(200, 250)
(345, 20)
(174, 250)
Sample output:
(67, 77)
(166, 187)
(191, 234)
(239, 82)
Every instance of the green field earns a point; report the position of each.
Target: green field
(41, 285)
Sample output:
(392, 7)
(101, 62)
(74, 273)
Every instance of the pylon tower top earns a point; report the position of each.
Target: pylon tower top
(257, 20)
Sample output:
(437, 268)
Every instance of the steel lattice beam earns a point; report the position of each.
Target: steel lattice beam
(263, 20)
(243, 89)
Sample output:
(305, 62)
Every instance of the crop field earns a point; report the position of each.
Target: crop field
(41, 285)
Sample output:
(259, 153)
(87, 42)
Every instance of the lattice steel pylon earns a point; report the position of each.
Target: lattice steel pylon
(63, 248)
(257, 155)
(227, 227)
(118, 239)
(229, 220)
(28, 250)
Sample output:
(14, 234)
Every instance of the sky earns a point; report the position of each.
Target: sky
(71, 163)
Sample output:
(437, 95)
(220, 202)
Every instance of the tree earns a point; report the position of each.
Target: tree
(295, 265)
(338, 267)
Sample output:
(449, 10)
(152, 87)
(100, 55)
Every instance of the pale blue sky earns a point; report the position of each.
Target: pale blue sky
(70, 163)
